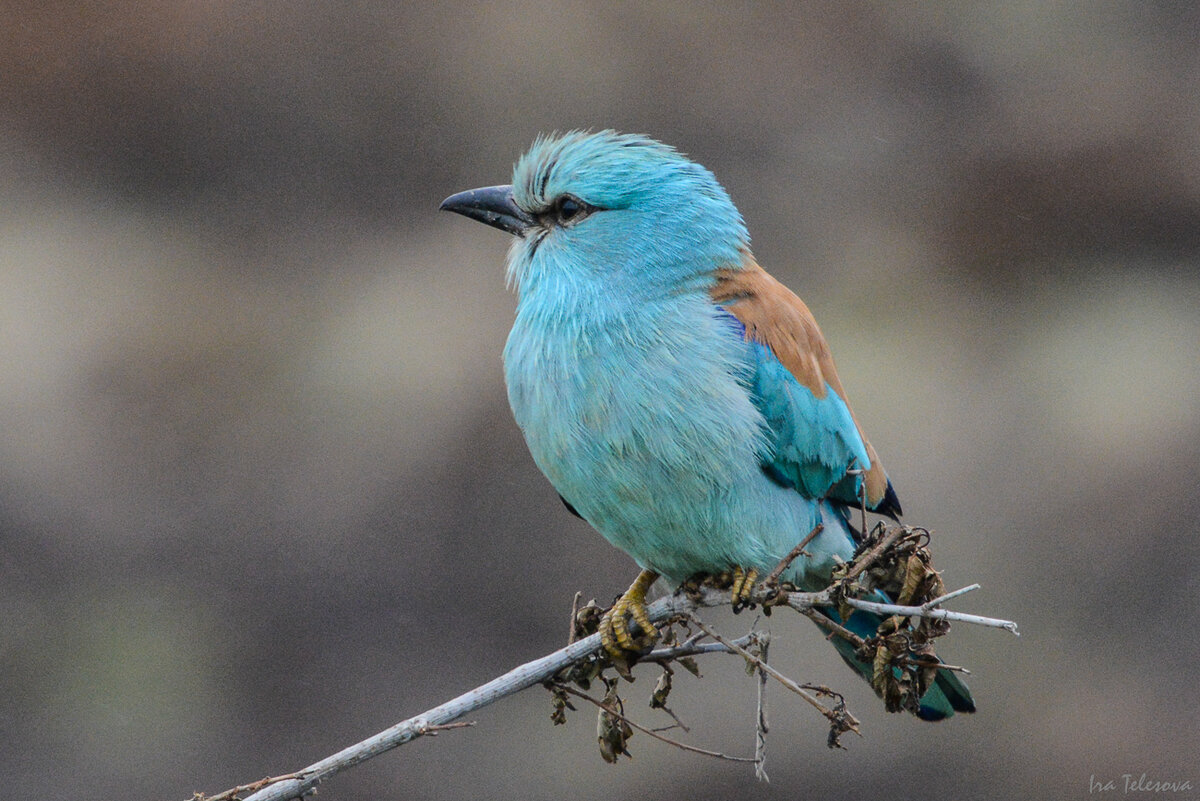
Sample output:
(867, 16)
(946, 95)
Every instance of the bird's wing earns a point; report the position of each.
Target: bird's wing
(814, 434)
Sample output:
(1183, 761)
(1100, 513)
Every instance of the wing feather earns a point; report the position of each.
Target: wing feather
(816, 437)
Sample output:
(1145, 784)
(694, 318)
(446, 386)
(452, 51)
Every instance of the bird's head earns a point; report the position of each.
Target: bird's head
(613, 209)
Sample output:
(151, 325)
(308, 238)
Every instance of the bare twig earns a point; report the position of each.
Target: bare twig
(779, 677)
(862, 494)
(574, 613)
(760, 720)
(936, 614)
(233, 792)
(941, 599)
(879, 550)
(795, 554)
(572, 691)
(678, 724)
(434, 729)
(939, 665)
(694, 648)
(834, 627)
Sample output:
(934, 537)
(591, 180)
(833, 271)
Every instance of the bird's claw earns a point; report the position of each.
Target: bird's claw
(615, 636)
(743, 588)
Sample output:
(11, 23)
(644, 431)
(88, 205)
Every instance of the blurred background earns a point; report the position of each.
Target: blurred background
(260, 492)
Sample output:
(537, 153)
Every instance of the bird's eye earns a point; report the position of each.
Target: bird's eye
(567, 208)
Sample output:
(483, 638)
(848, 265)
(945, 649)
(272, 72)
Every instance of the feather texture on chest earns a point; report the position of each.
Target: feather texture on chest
(633, 402)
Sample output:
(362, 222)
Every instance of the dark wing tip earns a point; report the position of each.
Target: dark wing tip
(889, 504)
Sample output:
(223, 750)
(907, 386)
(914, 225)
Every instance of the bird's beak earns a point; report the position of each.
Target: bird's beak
(493, 205)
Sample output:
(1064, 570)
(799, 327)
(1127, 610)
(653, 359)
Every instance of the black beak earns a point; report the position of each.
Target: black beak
(492, 205)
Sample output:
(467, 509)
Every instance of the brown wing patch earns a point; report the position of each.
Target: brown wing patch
(775, 316)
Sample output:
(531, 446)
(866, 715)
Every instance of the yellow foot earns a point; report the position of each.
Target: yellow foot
(743, 587)
(614, 628)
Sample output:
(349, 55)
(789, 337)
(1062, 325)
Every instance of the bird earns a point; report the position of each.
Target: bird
(679, 398)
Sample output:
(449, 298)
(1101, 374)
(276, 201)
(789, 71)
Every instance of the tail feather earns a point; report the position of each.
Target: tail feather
(955, 690)
(947, 695)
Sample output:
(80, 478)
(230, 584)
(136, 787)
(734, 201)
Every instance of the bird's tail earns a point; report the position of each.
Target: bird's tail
(944, 693)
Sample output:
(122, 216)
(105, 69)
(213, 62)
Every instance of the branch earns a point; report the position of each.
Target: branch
(941, 599)
(303, 782)
(773, 577)
(695, 648)
(935, 614)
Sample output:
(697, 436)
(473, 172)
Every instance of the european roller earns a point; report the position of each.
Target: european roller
(680, 399)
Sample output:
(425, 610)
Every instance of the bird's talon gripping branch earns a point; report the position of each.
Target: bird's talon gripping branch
(743, 588)
(615, 636)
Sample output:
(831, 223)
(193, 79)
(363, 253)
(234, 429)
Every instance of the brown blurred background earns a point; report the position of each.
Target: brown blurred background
(260, 492)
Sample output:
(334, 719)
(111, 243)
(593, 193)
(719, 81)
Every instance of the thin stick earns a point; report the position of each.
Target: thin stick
(693, 648)
(760, 722)
(862, 495)
(939, 665)
(679, 724)
(941, 599)
(792, 556)
(434, 729)
(833, 626)
(936, 614)
(574, 612)
(779, 677)
(232, 793)
(572, 691)
(880, 548)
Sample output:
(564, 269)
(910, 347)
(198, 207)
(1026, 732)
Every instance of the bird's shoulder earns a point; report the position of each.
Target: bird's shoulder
(776, 318)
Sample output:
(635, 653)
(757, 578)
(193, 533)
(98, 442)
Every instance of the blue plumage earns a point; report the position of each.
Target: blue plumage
(678, 399)
(813, 440)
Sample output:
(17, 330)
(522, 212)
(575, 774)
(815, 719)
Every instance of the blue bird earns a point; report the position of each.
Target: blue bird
(680, 400)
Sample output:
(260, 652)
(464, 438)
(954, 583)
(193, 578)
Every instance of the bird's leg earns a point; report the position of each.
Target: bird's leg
(743, 587)
(614, 629)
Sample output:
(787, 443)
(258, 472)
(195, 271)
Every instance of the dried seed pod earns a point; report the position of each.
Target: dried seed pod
(587, 619)
(612, 732)
(658, 698)
(914, 579)
(881, 673)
